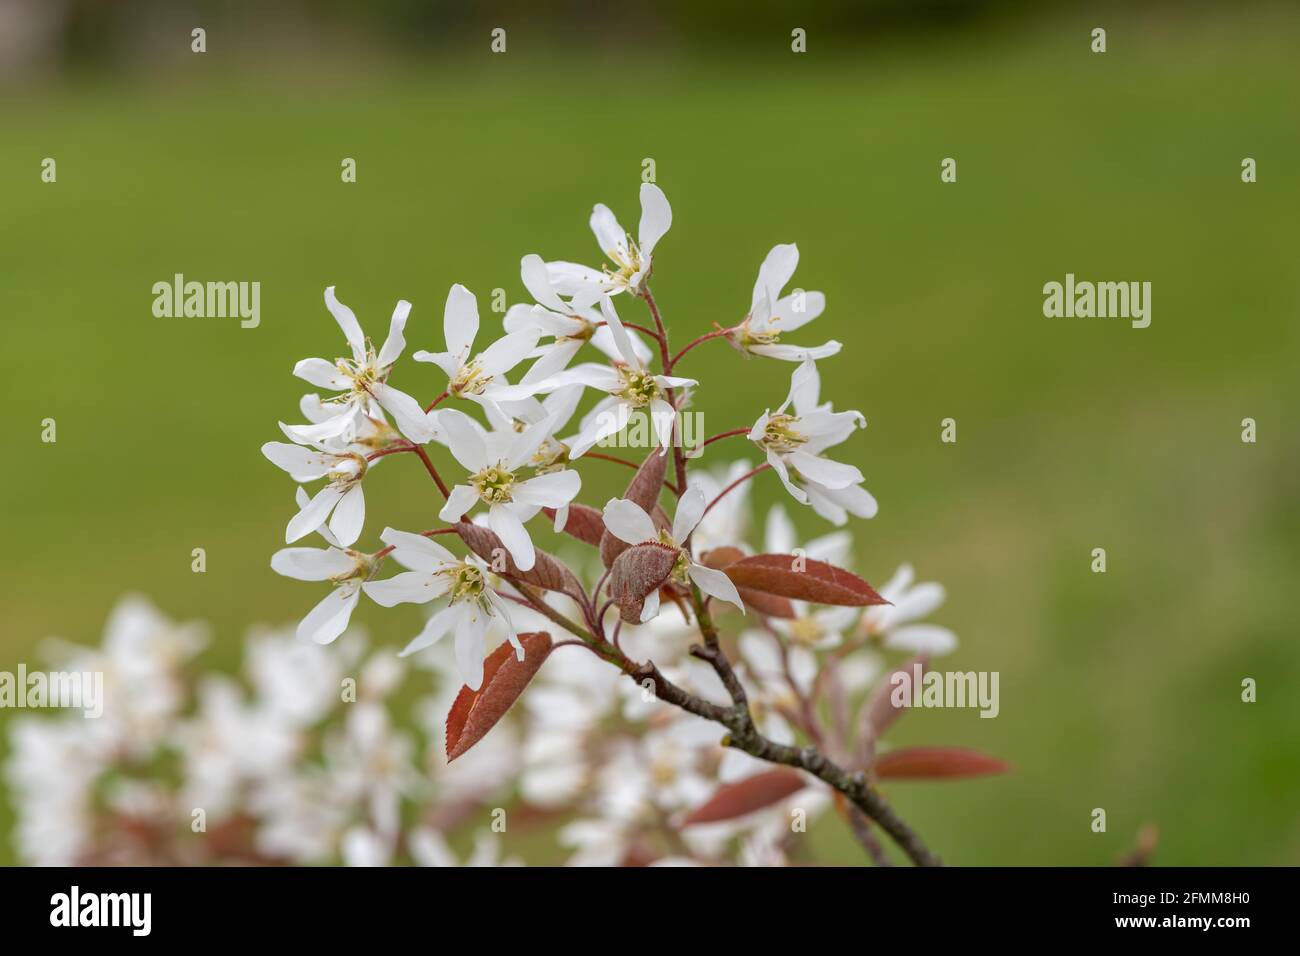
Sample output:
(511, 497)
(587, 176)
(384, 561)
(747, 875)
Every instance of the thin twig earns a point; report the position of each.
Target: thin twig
(721, 435)
(424, 457)
(739, 481)
(672, 363)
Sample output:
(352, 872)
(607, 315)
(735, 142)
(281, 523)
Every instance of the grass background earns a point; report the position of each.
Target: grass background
(1118, 690)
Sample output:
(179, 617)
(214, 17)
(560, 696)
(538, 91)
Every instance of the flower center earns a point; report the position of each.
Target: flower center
(361, 374)
(363, 566)
(768, 336)
(470, 380)
(806, 631)
(466, 582)
(348, 470)
(780, 435)
(663, 772)
(628, 263)
(639, 388)
(550, 456)
(493, 484)
(583, 334)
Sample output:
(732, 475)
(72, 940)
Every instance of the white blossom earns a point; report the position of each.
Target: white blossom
(571, 323)
(469, 375)
(771, 315)
(494, 461)
(794, 441)
(629, 385)
(346, 570)
(630, 260)
(341, 501)
(362, 382)
(892, 624)
(434, 572)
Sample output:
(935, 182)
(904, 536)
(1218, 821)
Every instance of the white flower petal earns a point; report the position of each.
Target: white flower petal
(611, 237)
(412, 420)
(775, 272)
(328, 619)
(918, 602)
(656, 217)
(609, 421)
(434, 629)
(778, 465)
(460, 321)
(313, 516)
(715, 584)
(832, 474)
(304, 464)
(311, 564)
(507, 526)
(537, 280)
(690, 509)
(349, 516)
(550, 490)
(347, 321)
(790, 313)
(460, 500)
(322, 374)
(471, 637)
(663, 417)
(796, 353)
(622, 339)
(464, 440)
(417, 552)
(408, 587)
(507, 352)
(396, 340)
(650, 609)
(627, 521)
(922, 639)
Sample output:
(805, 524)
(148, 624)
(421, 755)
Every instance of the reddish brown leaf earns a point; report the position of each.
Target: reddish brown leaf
(802, 579)
(546, 573)
(745, 796)
(475, 712)
(933, 763)
(719, 558)
(773, 605)
(638, 571)
(642, 491)
(585, 523)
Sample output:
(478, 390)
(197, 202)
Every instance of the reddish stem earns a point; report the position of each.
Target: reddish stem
(722, 435)
(613, 458)
(436, 402)
(393, 450)
(632, 325)
(424, 457)
(716, 334)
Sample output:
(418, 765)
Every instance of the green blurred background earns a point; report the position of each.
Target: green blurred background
(1119, 690)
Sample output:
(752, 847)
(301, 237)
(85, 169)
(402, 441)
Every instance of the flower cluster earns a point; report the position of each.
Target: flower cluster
(305, 760)
(503, 413)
